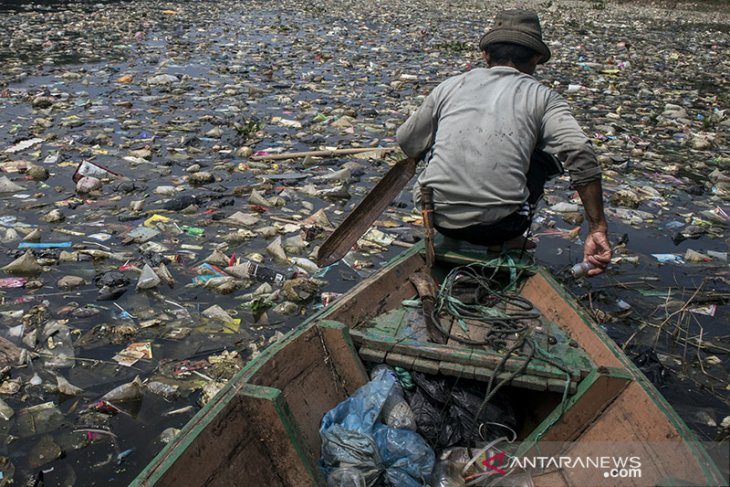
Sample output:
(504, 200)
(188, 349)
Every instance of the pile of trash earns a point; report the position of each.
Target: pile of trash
(388, 434)
(169, 169)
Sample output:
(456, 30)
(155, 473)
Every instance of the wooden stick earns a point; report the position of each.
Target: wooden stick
(397, 243)
(427, 291)
(293, 222)
(427, 213)
(322, 153)
(366, 212)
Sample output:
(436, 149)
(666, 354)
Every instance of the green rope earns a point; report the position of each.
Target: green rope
(482, 277)
(405, 378)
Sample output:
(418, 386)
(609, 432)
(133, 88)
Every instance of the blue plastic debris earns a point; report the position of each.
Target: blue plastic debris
(47, 245)
(353, 436)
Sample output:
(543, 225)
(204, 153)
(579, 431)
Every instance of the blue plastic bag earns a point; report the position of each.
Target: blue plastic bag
(353, 436)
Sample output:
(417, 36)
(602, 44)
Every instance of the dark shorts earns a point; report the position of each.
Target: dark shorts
(543, 167)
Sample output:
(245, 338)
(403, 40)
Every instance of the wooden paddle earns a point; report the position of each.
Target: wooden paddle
(370, 208)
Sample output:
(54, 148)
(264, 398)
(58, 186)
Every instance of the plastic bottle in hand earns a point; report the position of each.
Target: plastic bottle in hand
(581, 269)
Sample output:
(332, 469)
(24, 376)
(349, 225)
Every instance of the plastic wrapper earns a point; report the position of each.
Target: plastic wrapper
(345, 477)
(7, 186)
(447, 473)
(352, 435)
(396, 412)
(148, 279)
(25, 265)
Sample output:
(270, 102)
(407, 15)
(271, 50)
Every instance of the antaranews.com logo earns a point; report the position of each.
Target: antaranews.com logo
(613, 467)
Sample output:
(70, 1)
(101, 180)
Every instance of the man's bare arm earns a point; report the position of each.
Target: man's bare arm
(597, 249)
(591, 194)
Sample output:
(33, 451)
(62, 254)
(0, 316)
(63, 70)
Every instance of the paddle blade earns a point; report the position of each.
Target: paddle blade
(365, 213)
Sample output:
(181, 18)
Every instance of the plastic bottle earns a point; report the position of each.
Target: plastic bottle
(447, 473)
(262, 273)
(396, 412)
(345, 477)
(581, 269)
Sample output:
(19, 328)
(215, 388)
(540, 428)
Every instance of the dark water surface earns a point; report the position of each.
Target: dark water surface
(245, 66)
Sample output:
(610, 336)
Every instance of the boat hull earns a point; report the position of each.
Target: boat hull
(263, 428)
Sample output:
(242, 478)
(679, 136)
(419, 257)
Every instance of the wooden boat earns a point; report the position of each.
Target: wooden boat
(263, 428)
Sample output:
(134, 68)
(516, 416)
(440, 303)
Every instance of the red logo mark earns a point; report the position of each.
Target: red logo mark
(494, 462)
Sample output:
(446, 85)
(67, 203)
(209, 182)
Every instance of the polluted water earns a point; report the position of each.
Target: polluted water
(168, 171)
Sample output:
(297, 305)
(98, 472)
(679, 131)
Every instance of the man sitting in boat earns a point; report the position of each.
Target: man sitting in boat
(492, 138)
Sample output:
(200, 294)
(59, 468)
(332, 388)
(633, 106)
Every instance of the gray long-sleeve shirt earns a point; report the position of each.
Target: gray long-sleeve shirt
(477, 132)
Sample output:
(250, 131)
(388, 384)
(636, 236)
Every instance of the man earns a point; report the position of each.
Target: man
(491, 138)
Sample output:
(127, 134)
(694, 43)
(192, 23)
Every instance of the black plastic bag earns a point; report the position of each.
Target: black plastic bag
(445, 410)
(648, 362)
(428, 417)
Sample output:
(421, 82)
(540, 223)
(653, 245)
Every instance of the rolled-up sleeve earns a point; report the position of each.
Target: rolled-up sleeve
(417, 134)
(562, 136)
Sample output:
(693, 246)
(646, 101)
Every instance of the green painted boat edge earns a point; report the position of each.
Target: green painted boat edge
(188, 434)
(150, 475)
(394, 262)
(154, 470)
(347, 337)
(583, 387)
(706, 463)
(157, 467)
(282, 410)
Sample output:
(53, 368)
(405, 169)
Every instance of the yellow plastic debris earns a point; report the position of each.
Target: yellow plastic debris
(151, 221)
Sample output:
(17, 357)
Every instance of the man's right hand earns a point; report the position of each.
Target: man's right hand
(597, 251)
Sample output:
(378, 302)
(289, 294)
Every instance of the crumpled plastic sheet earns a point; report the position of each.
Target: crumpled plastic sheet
(648, 362)
(353, 436)
(445, 412)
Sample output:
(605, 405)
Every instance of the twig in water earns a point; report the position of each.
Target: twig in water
(699, 358)
(103, 247)
(90, 360)
(681, 310)
(633, 335)
(175, 304)
(95, 430)
(322, 153)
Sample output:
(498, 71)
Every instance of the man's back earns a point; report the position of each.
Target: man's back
(489, 122)
(492, 138)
